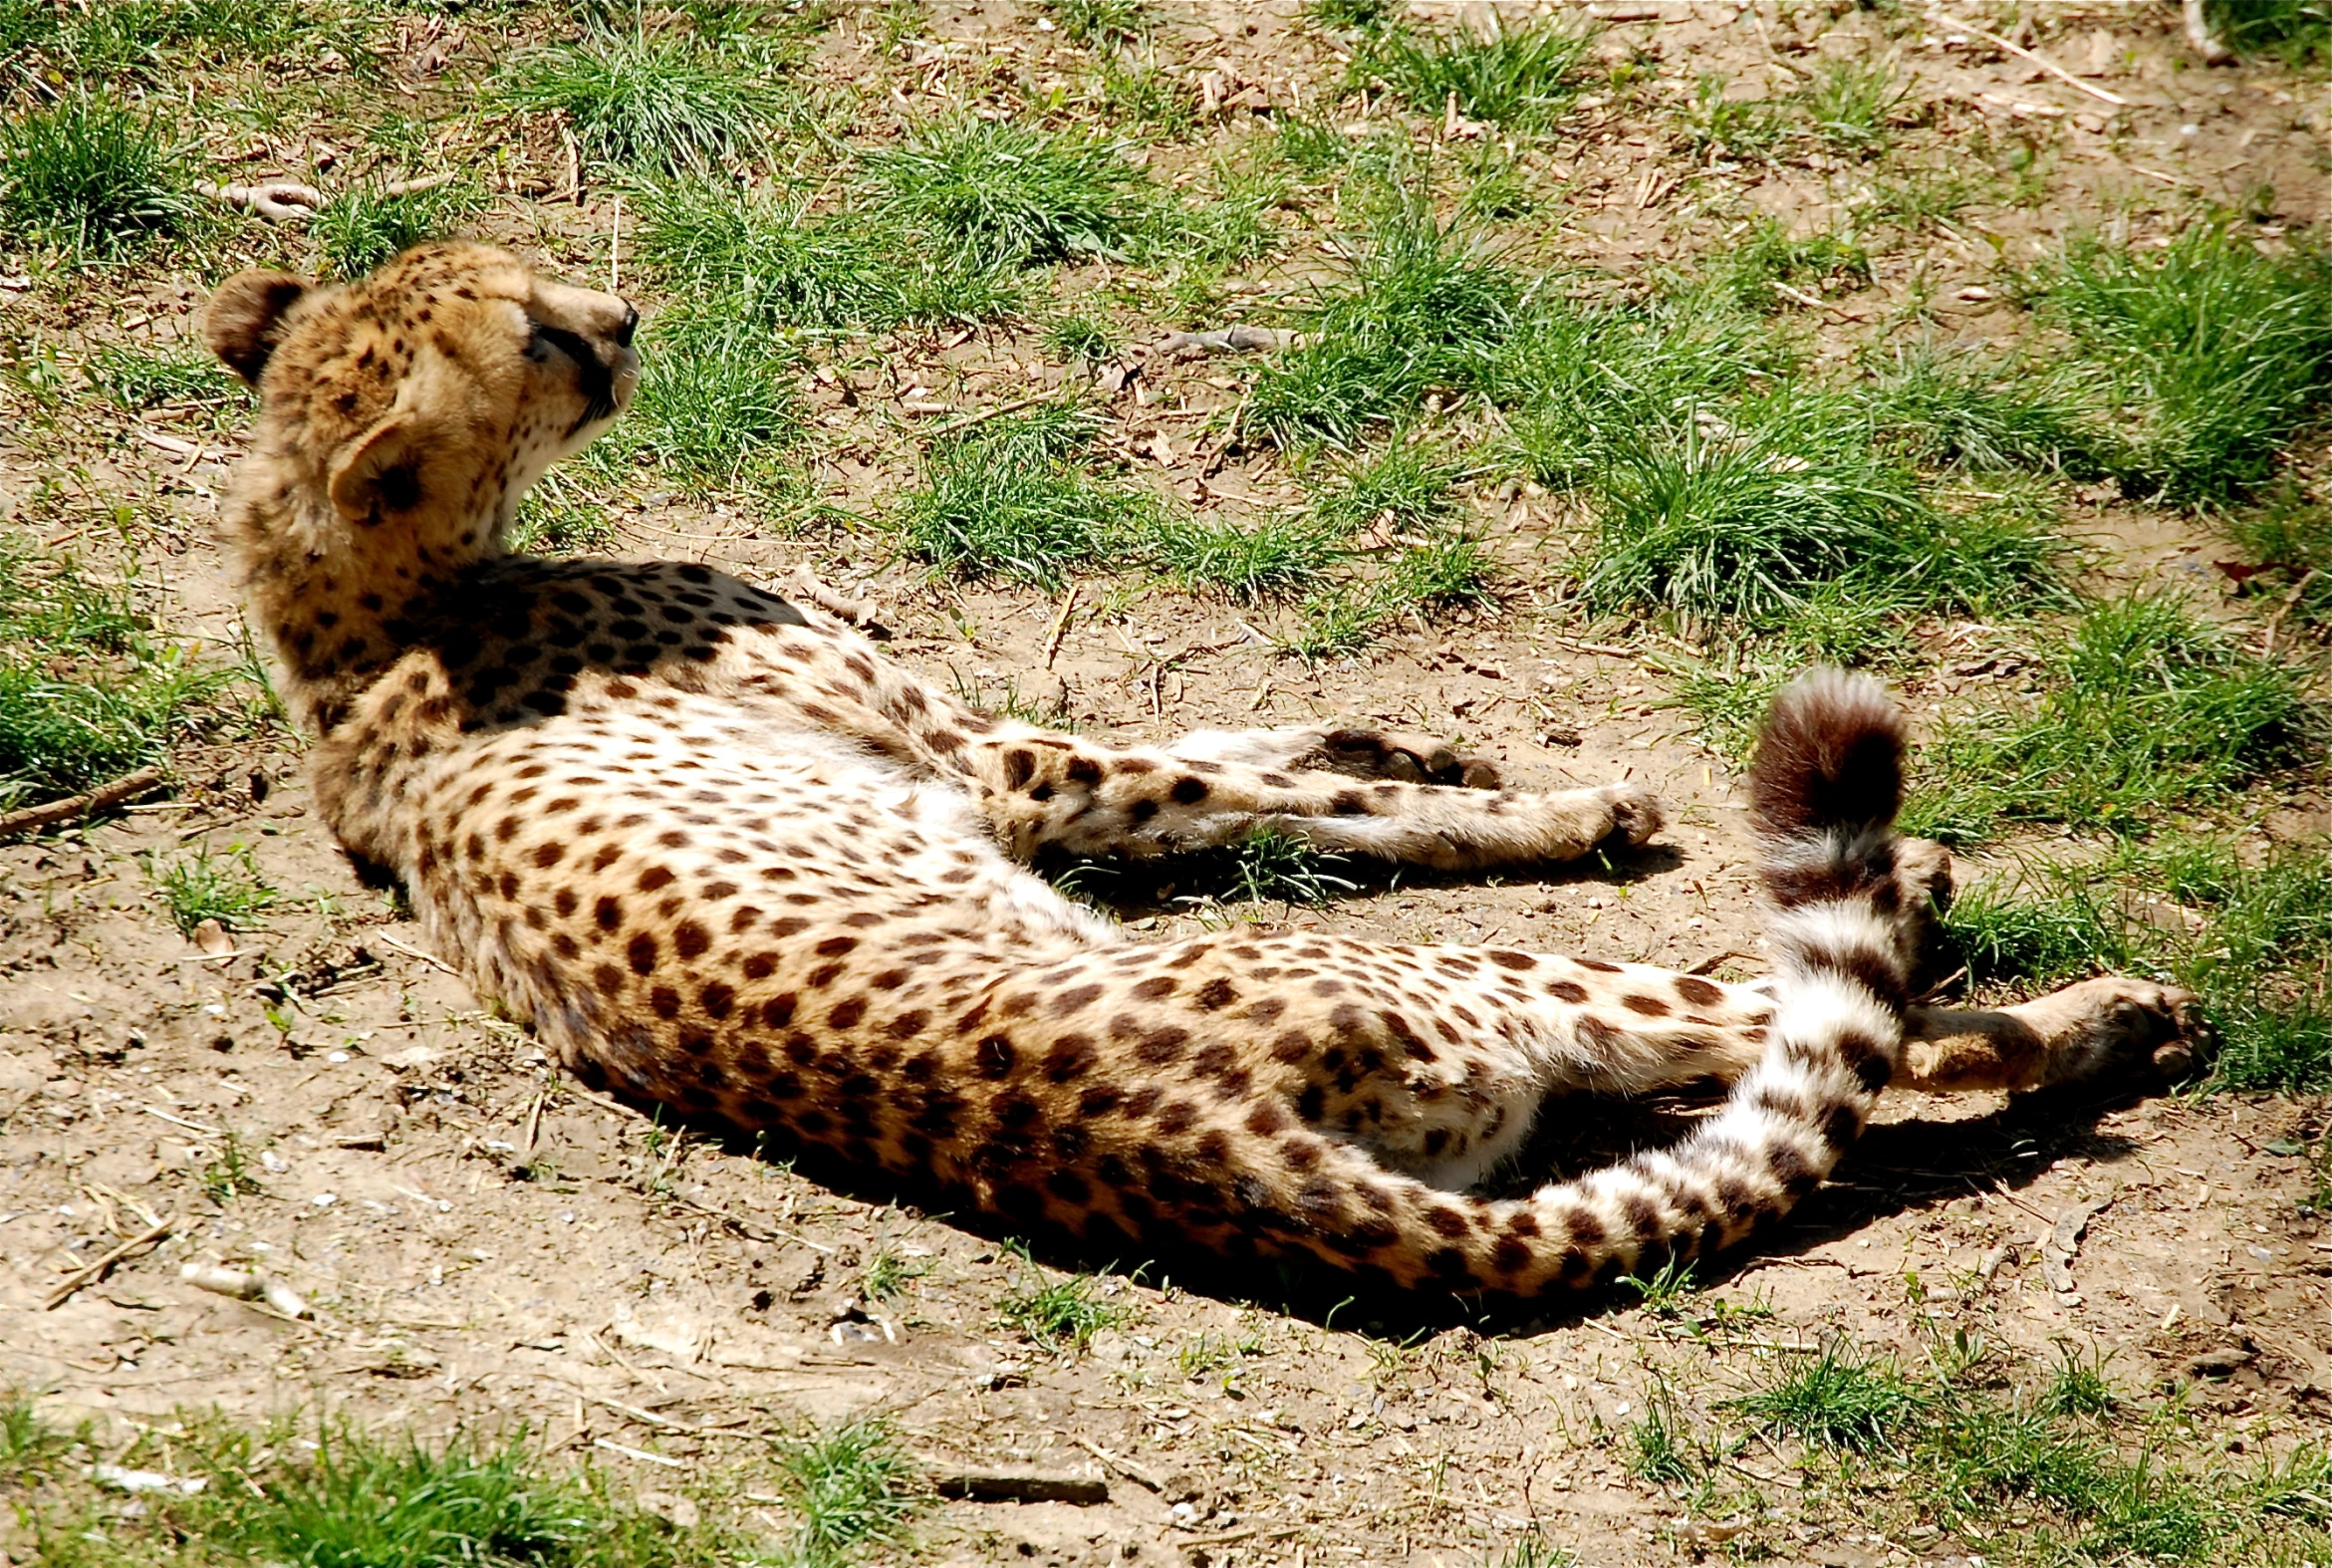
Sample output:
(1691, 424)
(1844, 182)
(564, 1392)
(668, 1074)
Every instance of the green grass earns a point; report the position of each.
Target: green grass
(2250, 930)
(2215, 350)
(1058, 1314)
(1718, 127)
(271, 1499)
(364, 225)
(1263, 559)
(86, 695)
(1769, 255)
(853, 1489)
(182, 374)
(1743, 519)
(652, 102)
(556, 519)
(999, 189)
(1017, 497)
(1099, 24)
(1424, 308)
(227, 888)
(1838, 1399)
(1270, 866)
(2144, 709)
(1580, 377)
(91, 178)
(719, 399)
(781, 262)
(1521, 74)
(1345, 16)
(1940, 408)
(2296, 32)
(143, 39)
(1080, 338)
(1852, 103)
(1405, 488)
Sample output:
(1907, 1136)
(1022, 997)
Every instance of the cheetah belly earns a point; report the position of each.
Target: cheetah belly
(665, 876)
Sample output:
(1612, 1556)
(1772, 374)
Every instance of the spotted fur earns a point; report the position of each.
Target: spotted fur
(724, 856)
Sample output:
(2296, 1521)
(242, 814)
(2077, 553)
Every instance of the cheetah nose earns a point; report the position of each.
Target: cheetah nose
(631, 325)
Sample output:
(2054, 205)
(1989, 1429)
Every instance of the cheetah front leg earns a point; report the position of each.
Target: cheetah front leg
(1037, 788)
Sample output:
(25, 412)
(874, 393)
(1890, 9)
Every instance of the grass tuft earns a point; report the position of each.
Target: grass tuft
(91, 178)
(1057, 1314)
(2250, 932)
(85, 695)
(1834, 1400)
(1521, 72)
(777, 261)
(1016, 497)
(1743, 517)
(853, 1489)
(2215, 350)
(1852, 103)
(1260, 560)
(182, 374)
(1938, 407)
(1424, 308)
(719, 396)
(202, 887)
(1099, 24)
(366, 224)
(999, 189)
(2146, 709)
(652, 102)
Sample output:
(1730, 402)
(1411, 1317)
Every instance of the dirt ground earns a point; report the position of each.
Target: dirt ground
(482, 1241)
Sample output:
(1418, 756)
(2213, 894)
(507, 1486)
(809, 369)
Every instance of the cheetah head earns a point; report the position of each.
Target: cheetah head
(429, 395)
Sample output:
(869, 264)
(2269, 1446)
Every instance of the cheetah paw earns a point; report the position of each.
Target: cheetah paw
(1636, 813)
(1405, 757)
(2097, 1025)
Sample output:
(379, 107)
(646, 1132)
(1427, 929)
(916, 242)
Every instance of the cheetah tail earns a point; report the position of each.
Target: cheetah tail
(1824, 790)
(1825, 787)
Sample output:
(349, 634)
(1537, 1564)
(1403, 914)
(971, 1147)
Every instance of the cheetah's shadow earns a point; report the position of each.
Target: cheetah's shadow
(1243, 877)
(1901, 1166)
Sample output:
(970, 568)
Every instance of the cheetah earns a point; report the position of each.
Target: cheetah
(723, 856)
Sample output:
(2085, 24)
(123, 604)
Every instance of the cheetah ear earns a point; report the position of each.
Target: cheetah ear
(380, 472)
(246, 319)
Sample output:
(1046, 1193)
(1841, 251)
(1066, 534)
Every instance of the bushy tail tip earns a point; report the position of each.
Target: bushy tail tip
(1829, 759)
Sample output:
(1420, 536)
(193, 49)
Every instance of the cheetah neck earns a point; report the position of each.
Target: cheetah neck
(336, 601)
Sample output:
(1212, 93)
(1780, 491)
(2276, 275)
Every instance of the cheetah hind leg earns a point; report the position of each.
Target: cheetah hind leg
(1402, 756)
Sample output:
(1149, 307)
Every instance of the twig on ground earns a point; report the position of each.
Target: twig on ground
(1810, 301)
(33, 818)
(2290, 597)
(97, 1270)
(2021, 53)
(430, 958)
(1002, 408)
(1125, 1467)
(1060, 626)
(1228, 340)
(639, 1453)
(645, 1417)
(273, 199)
(805, 584)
